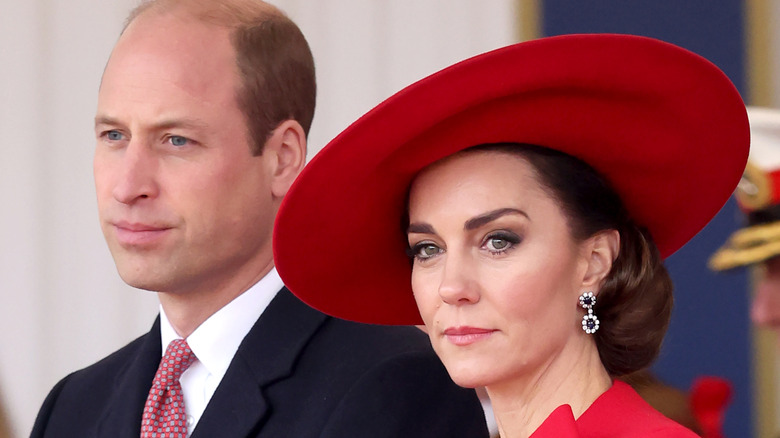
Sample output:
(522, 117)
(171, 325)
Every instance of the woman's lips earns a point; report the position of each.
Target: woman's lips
(465, 335)
(134, 234)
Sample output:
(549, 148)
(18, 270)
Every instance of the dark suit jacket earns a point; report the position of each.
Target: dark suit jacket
(298, 373)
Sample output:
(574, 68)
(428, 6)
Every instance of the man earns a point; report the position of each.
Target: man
(201, 127)
(758, 196)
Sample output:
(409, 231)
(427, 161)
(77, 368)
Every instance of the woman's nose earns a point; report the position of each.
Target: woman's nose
(459, 285)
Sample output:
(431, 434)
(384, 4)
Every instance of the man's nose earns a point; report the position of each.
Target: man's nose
(136, 177)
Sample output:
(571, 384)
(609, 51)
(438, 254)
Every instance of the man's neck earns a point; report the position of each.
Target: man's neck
(187, 310)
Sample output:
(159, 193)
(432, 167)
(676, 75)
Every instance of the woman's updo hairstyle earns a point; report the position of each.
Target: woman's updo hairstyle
(634, 302)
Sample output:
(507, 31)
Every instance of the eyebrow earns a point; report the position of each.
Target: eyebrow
(105, 120)
(471, 224)
(421, 228)
(490, 216)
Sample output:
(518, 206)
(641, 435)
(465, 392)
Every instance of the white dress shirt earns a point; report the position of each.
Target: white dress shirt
(216, 341)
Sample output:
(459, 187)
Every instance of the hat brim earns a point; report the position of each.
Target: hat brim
(665, 126)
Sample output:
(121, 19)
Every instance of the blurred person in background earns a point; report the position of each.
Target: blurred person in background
(757, 244)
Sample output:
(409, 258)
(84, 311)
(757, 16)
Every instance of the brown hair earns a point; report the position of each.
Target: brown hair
(274, 61)
(634, 303)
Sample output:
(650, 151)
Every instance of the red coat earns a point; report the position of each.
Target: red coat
(618, 413)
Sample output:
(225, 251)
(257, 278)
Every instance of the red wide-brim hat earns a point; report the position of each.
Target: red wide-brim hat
(663, 125)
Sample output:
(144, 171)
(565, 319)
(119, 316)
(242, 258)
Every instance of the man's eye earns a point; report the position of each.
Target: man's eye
(114, 135)
(178, 140)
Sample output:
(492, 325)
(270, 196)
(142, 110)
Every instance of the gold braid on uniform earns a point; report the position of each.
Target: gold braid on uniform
(748, 246)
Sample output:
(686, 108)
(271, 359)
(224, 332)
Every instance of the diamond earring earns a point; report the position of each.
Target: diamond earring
(589, 322)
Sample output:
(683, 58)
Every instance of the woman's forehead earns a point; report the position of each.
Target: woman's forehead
(474, 164)
(476, 180)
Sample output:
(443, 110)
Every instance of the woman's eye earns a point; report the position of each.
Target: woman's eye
(497, 244)
(178, 140)
(428, 251)
(424, 251)
(500, 242)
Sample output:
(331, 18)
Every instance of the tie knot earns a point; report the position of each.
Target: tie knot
(164, 413)
(178, 357)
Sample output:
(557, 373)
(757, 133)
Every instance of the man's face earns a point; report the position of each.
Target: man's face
(184, 206)
(765, 310)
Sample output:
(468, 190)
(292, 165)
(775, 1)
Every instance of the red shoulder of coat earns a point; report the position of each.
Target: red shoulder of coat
(621, 412)
(618, 413)
(559, 424)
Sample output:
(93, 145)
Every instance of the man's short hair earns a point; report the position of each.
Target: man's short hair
(274, 61)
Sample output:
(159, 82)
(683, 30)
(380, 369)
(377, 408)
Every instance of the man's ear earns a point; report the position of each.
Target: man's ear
(286, 149)
(602, 250)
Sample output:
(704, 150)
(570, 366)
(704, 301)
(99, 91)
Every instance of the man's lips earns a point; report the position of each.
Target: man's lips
(138, 234)
(465, 335)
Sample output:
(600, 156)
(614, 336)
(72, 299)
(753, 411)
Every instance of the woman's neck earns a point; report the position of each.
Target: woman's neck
(523, 403)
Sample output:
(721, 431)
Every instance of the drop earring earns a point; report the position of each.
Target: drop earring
(589, 322)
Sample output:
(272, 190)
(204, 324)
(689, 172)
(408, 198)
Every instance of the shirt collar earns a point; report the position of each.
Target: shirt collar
(216, 340)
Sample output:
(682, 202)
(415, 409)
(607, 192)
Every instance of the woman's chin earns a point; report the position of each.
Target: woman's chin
(468, 376)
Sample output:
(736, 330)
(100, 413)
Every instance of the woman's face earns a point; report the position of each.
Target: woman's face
(497, 274)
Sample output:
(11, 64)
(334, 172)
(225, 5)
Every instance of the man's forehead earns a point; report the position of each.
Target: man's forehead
(172, 30)
(169, 45)
(162, 62)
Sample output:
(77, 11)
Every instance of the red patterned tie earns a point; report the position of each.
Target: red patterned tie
(164, 415)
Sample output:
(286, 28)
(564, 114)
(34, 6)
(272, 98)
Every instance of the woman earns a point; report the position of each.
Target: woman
(536, 188)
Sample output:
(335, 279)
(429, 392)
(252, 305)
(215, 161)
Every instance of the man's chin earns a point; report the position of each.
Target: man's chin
(143, 285)
(144, 279)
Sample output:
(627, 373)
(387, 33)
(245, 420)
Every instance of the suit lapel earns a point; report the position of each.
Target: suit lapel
(122, 416)
(267, 354)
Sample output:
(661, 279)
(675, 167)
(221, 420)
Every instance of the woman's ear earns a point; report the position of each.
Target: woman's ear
(602, 250)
